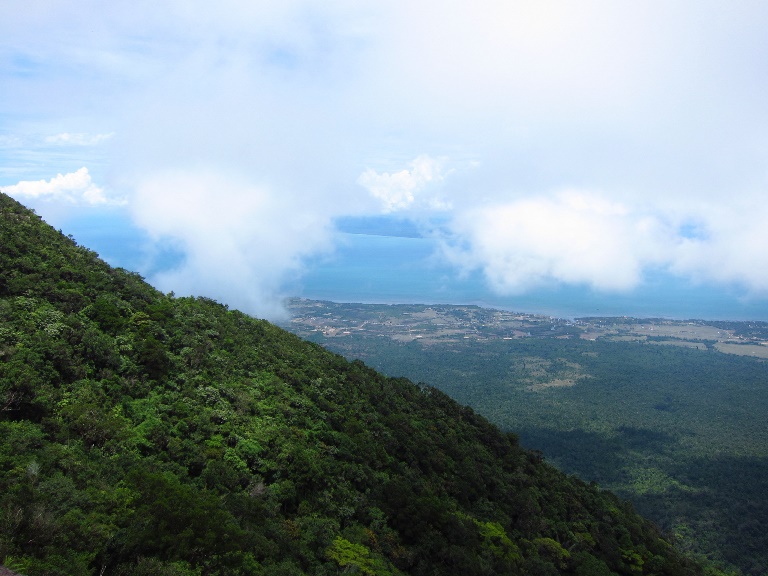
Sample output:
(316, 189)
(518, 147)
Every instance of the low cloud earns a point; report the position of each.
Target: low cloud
(727, 247)
(74, 187)
(405, 189)
(241, 242)
(574, 237)
(584, 238)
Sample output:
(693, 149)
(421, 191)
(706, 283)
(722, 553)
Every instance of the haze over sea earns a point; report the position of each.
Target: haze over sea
(384, 260)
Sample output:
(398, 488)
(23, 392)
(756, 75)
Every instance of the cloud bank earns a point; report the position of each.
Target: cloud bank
(584, 238)
(573, 237)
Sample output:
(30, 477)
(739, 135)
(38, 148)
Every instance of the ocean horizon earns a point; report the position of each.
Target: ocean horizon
(379, 269)
(403, 268)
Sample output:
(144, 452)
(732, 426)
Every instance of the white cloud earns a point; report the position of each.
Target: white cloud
(77, 139)
(730, 247)
(74, 187)
(241, 242)
(400, 190)
(573, 237)
(584, 238)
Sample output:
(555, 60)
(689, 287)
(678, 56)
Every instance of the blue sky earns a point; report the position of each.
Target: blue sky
(231, 150)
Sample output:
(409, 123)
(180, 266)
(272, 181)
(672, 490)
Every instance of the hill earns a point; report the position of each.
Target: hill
(142, 433)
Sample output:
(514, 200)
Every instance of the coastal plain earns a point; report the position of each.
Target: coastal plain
(445, 323)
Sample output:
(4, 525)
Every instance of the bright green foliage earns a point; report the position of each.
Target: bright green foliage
(498, 542)
(146, 434)
(351, 557)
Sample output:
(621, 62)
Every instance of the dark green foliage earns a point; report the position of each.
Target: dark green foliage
(146, 434)
(681, 432)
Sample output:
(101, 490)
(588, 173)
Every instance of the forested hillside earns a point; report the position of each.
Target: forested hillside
(146, 434)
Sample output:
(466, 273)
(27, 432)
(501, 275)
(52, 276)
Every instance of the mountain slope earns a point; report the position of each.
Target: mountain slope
(146, 434)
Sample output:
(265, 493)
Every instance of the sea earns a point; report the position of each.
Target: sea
(398, 270)
(389, 261)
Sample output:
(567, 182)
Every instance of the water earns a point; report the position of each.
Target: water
(375, 269)
(396, 265)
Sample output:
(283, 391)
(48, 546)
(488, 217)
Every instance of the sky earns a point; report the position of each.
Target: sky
(239, 149)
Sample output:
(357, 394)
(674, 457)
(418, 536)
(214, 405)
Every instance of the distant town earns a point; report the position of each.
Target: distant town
(444, 323)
